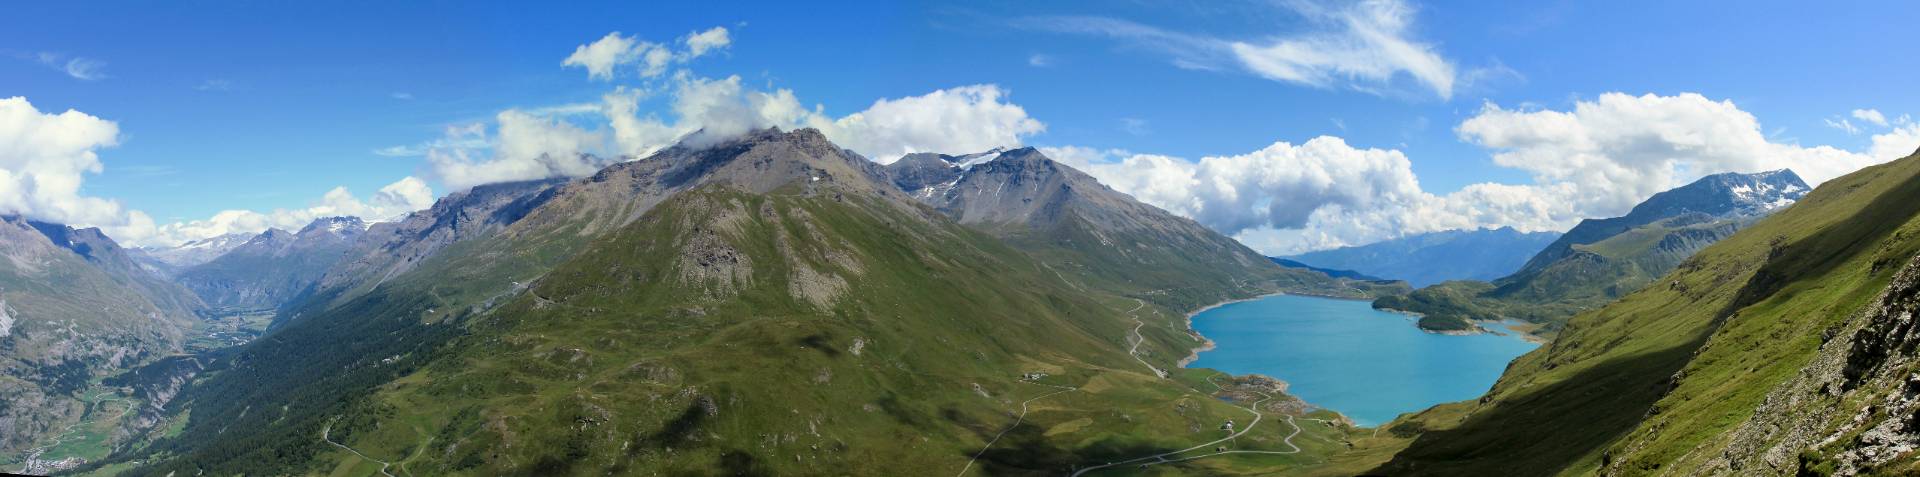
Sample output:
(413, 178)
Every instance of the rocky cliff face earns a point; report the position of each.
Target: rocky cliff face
(1854, 409)
(274, 267)
(73, 307)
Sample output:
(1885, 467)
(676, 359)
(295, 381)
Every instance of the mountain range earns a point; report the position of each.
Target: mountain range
(170, 260)
(769, 304)
(1430, 258)
(274, 267)
(774, 304)
(1786, 348)
(1600, 260)
(74, 308)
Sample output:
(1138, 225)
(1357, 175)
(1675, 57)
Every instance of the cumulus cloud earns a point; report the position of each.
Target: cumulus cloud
(1366, 46)
(522, 146)
(713, 39)
(702, 111)
(1871, 116)
(967, 118)
(602, 57)
(1621, 148)
(44, 158)
(1597, 159)
(390, 202)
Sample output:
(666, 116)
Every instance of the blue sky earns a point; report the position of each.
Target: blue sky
(269, 105)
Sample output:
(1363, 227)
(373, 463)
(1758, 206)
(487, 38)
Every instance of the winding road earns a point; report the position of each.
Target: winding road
(1016, 423)
(329, 428)
(1137, 339)
(1161, 458)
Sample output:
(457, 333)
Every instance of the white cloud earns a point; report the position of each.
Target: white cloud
(524, 146)
(400, 95)
(701, 111)
(1366, 46)
(1871, 116)
(1039, 60)
(1596, 160)
(968, 118)
(44, 158)
(1366, 43)
(603, 57)
(1900, 142)
(1621, 149)
(390, 202)
(1843, 125)
(78, 67)
(700, 43)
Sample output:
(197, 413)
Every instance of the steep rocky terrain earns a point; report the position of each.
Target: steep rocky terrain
(1078, 226)
(273, 267)
(1853, 409)
(1600, 260)
(73, 308)
(1781, 350)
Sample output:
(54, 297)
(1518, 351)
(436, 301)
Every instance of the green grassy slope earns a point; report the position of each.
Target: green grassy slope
(1586, 277)
(1651, 384)
(786, 334)
(1600, 260)
(871, 318)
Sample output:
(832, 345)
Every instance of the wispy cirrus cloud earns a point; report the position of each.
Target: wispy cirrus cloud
(77, 67)
(1366, 46)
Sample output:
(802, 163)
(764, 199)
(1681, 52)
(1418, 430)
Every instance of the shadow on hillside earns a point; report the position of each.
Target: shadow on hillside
(1542, 432)
(1820, 252)
(1025, 450)
(1549, 429)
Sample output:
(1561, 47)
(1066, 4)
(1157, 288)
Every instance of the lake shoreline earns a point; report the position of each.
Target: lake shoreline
(1335, 396)
(1207, 344)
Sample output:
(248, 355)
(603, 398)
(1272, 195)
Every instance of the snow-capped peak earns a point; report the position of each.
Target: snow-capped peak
(967, 161)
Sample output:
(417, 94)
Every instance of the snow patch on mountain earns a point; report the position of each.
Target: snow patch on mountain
(6, 319)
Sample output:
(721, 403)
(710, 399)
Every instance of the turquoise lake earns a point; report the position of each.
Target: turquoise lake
(1343, 355)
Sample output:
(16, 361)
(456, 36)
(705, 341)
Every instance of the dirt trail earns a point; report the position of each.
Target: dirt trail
(1016, 423)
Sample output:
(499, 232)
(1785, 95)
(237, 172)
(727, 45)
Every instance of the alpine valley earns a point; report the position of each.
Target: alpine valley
(1301, 238)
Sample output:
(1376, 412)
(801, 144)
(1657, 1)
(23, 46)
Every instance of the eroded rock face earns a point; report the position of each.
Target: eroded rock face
(1855, 408)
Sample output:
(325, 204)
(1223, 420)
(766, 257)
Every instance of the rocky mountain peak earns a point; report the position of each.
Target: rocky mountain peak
(343, 226)
(1726, 194)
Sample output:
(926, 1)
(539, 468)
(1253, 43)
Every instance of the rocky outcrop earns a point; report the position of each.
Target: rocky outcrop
(1853, 409)
(74, 307)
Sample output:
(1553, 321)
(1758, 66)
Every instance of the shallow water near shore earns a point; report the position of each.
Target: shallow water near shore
(1343, 355)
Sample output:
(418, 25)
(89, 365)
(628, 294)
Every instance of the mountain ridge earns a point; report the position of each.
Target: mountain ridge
(755, 243)
(1600, 260)
(1727, 366)
(1430, 258)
